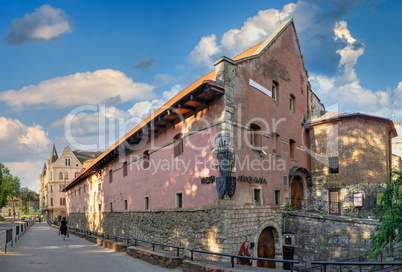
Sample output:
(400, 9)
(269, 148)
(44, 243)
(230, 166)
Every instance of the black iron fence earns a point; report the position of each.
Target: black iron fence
(313, 205)
(127, 240)
(10, 236)
(137, 241)
(384, 259)
(233, 257)
(325, 264)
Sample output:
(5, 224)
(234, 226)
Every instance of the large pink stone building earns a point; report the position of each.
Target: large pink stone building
(216, 165)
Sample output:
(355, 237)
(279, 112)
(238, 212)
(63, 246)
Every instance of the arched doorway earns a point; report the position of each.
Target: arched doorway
(296, 192)
(266, 248)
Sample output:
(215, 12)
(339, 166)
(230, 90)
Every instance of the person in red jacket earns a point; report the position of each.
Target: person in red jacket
(244, 252)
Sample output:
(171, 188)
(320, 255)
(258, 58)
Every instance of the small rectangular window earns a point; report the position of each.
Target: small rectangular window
(334, 203)
(277, 197)
(255, 135)
(275, 86)
(276, 144)
(51, 201)
(292, 103)
(146, 204)
(124, 169)
(257, 196)
(333, 163)
(110, 175)
(99, 186)
(125, 205)
(178, 145)
(179, 200)
(99, 207)
(111, 206)
(67, 162)
(292, 147)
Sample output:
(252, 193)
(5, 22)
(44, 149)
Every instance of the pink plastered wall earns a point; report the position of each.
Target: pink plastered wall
(166, 175)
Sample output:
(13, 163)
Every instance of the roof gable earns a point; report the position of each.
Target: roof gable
(259, 48)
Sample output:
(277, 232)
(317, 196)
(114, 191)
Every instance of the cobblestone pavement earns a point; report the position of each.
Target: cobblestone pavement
(42, 250)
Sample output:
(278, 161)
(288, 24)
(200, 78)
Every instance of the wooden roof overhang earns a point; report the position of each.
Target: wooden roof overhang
(158, 122)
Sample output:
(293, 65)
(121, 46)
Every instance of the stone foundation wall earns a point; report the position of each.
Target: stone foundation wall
(184, 227)
(218, 229)
(319, 198)
(324, 237)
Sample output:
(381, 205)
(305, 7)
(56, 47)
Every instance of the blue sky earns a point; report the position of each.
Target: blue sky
(122, 58)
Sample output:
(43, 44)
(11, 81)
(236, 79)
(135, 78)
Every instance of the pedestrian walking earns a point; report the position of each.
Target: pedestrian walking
(63, 228)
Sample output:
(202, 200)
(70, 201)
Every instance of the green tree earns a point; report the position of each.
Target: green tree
(389, 213)
(28, 198)
(9, 186)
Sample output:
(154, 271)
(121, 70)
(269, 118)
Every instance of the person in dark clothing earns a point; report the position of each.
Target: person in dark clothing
(63, 228)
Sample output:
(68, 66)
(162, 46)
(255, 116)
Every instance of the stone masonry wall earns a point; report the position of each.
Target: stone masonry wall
(220, 229)
(325, 237)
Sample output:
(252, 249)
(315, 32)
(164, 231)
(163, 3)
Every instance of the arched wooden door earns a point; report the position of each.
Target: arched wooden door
(266, 248)
(296, 191)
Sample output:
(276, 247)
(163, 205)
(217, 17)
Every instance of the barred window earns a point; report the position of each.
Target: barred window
(333, 163)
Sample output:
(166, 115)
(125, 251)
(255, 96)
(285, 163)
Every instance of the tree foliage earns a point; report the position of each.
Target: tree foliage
(28, 197)
(389, 213)
(9, 186)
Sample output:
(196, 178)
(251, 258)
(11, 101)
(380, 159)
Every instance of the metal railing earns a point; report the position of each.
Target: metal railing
(127, 240)
(13, 234)
(324, 264)
(232, 257)
(387, 255)
(136, 241)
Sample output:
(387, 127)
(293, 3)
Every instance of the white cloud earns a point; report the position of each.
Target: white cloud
(344, 87)
(97, 127)
(256, 28)
(167, 95)
(44, 24)
(28, 172)
(17, 138)
(206, 48)
(234, 41)
(89, 88)
(350, 53)
(314, 20)
(23, 148)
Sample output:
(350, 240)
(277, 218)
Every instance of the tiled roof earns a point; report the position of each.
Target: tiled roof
(86, 155)
(249, 52)
(334, 116)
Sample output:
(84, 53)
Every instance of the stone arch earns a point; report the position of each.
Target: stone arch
(277, 240)
(299, 180)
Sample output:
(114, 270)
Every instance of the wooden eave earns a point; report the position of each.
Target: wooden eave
(157, 123)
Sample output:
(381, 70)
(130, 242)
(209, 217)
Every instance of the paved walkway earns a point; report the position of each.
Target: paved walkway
(42, 250)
